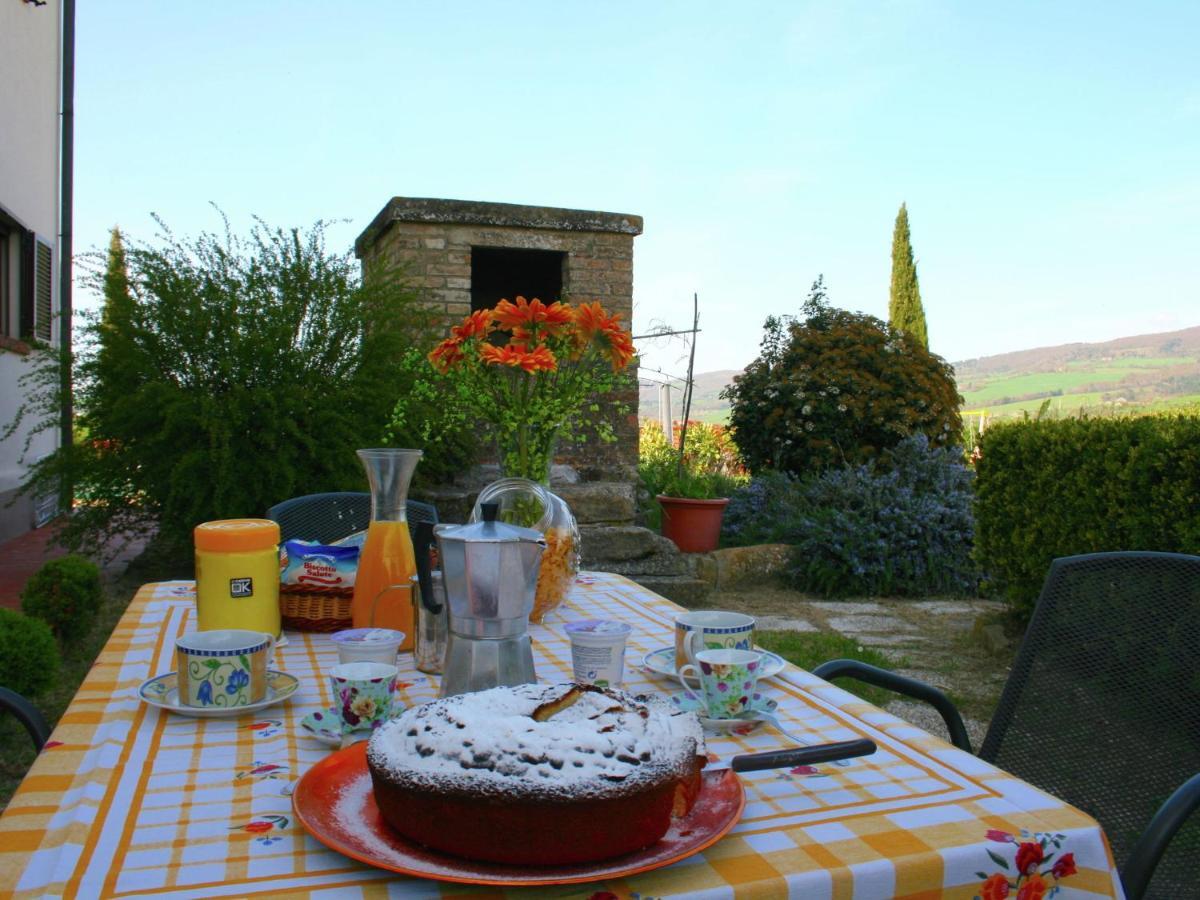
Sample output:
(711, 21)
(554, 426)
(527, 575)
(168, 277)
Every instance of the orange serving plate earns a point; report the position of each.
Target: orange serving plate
(335, 802)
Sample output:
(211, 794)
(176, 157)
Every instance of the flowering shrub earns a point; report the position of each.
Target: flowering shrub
(530, 368)
(838, 387)
(759, 510)
(901, 527)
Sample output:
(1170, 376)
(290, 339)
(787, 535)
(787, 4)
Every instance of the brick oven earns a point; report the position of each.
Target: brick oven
(464, 255)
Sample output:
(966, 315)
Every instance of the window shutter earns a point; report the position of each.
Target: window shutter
(43, 294)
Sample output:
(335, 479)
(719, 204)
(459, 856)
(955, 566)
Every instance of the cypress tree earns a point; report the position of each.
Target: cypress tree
(116, 347)
(905, 312)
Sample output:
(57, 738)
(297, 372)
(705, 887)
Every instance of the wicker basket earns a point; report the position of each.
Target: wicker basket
(309, 610)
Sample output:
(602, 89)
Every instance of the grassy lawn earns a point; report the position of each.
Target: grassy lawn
(808, 649)
(16, 749)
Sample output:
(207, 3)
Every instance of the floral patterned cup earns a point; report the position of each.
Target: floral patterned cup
(727, 679)
(222, 668)
(363, 694)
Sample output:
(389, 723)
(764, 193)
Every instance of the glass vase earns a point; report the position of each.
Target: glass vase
(525, 499)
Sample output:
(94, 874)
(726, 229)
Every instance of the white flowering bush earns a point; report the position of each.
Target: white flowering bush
(838, 388)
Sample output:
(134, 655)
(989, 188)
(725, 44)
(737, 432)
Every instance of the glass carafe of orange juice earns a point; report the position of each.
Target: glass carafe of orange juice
(383, 585)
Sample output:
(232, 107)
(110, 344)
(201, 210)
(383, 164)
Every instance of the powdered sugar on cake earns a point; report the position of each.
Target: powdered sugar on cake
(600, 742)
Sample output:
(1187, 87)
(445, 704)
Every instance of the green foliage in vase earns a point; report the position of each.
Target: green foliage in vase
(224, 374)
(836, 388)
(433, 415)
(905, 312)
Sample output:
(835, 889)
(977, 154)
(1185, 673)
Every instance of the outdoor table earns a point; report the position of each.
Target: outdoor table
(127, 800)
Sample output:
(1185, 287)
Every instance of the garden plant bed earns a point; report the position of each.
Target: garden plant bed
(934, 640)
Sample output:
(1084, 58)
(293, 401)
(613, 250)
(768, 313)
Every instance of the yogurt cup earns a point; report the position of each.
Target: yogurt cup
(598, 651)
(376, 645)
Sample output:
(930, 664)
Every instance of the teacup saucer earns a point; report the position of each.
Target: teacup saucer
(744, 723)
(163, 691)
(326, 726)
(662, 662)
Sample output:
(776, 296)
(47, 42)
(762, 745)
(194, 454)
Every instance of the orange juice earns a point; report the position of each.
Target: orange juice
(382, 587)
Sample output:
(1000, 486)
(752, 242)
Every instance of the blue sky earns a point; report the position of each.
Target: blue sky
(1049, 154)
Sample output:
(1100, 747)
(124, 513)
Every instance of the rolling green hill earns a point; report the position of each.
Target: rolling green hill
(1149, 371)
(1144, 371)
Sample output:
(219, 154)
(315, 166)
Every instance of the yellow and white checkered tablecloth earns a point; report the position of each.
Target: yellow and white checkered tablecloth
(127, 800)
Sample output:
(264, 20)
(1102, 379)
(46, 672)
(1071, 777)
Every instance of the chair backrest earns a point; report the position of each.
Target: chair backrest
(1102, 707)
(330, 517)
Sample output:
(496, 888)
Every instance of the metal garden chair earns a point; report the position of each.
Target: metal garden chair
(1102, 707)
(326, 518)
(27, 714)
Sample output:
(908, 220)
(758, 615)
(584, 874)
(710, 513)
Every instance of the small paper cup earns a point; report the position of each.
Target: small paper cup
(598, 651)
(377, 645)
(363, 694)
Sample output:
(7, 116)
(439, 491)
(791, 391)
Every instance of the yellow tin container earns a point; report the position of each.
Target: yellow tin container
(237, 575)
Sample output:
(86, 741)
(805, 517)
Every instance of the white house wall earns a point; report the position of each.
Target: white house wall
(29, 191)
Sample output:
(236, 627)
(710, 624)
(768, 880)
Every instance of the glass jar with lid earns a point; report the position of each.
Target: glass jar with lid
(533, 505)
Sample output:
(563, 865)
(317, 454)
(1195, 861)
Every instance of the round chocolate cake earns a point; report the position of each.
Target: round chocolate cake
(537, 774)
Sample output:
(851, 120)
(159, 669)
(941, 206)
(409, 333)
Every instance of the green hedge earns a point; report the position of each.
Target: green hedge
(1052, 488)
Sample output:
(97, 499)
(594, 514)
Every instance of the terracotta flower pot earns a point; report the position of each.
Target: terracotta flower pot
(694, 525)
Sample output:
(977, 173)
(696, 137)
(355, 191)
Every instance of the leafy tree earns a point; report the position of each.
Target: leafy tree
(225, 374)
(905, 312)
(838, 387)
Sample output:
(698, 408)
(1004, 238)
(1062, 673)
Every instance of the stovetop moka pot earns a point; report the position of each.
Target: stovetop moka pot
(490, 572)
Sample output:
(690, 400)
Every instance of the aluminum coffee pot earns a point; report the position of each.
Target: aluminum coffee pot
(490, 572)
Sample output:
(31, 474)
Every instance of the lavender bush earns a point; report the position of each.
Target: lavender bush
(901, 527)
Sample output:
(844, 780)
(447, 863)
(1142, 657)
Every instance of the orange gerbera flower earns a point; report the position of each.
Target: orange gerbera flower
(620, 345)
(540, 359)
(446, 354)
(590, 320)
(478, 322)
(532, 313)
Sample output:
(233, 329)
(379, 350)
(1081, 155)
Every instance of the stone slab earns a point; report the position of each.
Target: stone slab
(954, 607)
(853, 625)
(750, 565)
(888, 640)
(783, 623)
(600, 502)
(622, 543)
(850, 607)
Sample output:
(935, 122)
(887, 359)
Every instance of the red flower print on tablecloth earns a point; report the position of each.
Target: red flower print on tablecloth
(1064, 866)
(801, 772)
(1027, 874)
(260, 771)
(50, 745)
(1029, 856)
(264, 727)
(1033, 889)
(264, 828)
(995, 888)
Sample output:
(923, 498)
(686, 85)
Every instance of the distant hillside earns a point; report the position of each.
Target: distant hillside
(1144, 370)
(707, 406)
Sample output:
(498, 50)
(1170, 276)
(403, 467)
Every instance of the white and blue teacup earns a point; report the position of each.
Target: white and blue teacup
(224, 668)
(710, 630)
